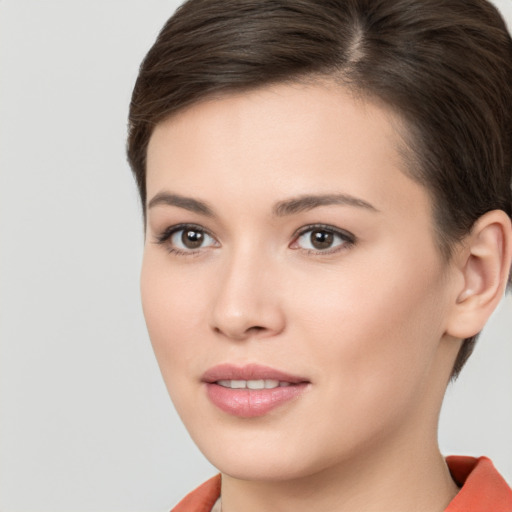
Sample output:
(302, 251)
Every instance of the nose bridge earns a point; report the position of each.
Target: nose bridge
(246, 302)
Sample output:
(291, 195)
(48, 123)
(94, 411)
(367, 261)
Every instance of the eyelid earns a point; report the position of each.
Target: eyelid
(167, 234)
(348, 238)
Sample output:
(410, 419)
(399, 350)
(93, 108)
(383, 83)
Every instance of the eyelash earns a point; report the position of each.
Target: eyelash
(347, 238)
(167, 234)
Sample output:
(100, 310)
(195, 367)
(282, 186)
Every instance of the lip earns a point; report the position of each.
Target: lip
(248, 372)
(250, 403)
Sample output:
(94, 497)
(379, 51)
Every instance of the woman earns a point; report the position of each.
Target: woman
(327, 201)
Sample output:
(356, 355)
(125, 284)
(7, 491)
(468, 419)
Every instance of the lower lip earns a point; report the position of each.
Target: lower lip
(250, 403)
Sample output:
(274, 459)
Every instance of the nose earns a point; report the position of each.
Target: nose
(246, 300)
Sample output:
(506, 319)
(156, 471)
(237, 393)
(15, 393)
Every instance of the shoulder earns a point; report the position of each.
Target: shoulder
(202, 499)
(482, 488)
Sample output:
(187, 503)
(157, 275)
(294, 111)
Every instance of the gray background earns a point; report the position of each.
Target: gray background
(85, 421)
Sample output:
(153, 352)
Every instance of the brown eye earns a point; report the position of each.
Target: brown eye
(321, 239)
(191, 238)
(188, 238)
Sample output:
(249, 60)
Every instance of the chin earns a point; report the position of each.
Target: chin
(272, 468)
(257, 454)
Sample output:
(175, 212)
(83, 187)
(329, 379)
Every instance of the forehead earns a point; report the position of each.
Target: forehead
(283, 139)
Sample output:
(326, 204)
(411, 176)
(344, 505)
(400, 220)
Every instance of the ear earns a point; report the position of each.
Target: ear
(484, 265)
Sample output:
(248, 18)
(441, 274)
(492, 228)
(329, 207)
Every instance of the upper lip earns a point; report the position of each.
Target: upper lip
(248, 372)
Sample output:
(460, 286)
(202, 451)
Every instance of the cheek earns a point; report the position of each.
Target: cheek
(171, 301)
(371, 342)
(172, 311)
(376, 328)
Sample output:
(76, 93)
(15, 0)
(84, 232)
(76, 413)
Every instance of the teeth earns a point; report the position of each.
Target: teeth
(256, 384)
(252, 384)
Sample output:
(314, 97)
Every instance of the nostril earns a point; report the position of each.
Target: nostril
(243, 333)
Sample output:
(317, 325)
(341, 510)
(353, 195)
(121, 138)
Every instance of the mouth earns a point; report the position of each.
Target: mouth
(253, 390)
(253, 384)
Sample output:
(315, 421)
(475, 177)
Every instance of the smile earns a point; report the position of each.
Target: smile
(251, 391)
(252, 384)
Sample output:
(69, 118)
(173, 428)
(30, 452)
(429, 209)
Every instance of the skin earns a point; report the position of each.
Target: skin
(367, 323)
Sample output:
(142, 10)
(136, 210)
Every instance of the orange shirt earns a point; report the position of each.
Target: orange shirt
(483, 489)
(202, 499)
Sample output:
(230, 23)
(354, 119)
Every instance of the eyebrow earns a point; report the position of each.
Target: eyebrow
(308, 202)
(188, 203)
(280, 209)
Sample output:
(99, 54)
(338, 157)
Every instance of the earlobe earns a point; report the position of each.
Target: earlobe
(484, 263)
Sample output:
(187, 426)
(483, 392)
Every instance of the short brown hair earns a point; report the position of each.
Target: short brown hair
(444, 65)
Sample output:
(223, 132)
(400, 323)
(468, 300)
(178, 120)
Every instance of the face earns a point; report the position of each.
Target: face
(292, 288)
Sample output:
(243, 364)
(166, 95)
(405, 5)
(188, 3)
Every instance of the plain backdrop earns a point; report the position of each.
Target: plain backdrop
(85, 421)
